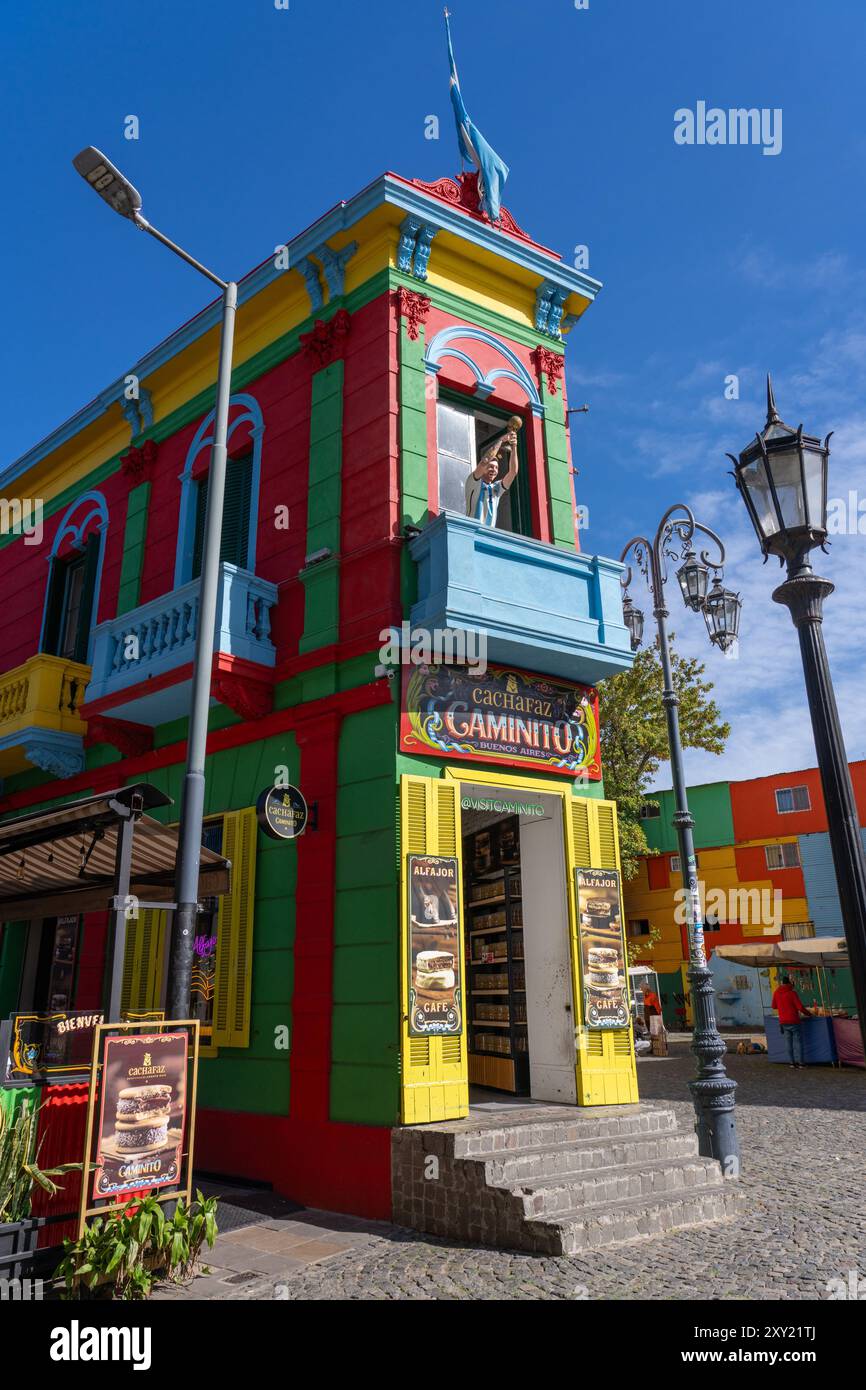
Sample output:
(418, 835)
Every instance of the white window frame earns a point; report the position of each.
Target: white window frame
(793, 810)
(770, 851)
(676, 864)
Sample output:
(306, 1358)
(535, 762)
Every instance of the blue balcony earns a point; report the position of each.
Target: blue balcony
(142, 660)
(548, 610)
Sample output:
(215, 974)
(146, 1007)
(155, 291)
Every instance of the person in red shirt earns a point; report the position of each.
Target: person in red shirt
(651, 1005)
(790, 1008)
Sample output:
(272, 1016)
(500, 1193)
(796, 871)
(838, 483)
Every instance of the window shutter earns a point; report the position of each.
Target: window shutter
(54, 607)
(234, 952)
(606, 1072)
(435, 1075)
(85, 612)
(198, 538)
(234, 537)
(141, 982)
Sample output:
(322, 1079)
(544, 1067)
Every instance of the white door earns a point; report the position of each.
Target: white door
(549, 1003)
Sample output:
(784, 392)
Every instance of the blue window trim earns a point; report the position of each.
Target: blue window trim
(443, 346)
(250, 413)
(76, 529)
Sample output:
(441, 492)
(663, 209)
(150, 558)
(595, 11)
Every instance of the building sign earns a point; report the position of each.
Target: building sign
(48, 1044)
(282, 812)
(434, 946)
(602, 949)
(142, 1113)
(504, 716)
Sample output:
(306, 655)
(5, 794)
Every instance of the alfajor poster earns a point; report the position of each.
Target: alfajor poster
(434, 946)
(602, 949)
(142, 1114)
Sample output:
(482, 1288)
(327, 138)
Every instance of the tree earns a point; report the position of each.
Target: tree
(634, 739)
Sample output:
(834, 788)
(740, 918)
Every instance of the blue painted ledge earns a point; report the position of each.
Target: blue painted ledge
(160, 636)
(548, 610)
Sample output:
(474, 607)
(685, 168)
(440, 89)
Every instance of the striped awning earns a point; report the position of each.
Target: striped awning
(63, 861)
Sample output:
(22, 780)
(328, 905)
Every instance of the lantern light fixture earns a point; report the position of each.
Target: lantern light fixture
(693, 577)
(634, 620)
(722, 615)
(782, 478)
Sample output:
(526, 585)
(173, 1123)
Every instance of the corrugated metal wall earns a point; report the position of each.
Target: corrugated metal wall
(823, 900)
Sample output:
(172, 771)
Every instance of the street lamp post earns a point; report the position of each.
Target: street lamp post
(712, 1090)
(119, 193)
(782, 477)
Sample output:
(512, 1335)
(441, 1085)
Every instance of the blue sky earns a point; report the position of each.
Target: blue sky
(715, 259)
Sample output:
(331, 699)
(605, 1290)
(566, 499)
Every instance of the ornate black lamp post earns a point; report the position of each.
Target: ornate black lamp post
(712, 1090)
(782, 477)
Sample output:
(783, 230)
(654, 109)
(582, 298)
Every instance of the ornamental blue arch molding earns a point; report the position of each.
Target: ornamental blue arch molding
(74, 523)
(250, 412)
(444, 345)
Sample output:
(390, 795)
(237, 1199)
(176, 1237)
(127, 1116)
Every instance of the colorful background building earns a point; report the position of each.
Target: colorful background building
(766, 872)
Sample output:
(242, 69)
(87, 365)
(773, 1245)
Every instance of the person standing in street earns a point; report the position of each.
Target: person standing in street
(790, 1008)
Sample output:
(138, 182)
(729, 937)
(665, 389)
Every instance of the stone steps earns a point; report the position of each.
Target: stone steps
(633, 1219)
(609, 1185)
(552, 1161)
(556, 1180)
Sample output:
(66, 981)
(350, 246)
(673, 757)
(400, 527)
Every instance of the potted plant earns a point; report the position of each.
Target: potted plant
(19, 1170)
(120, 1254)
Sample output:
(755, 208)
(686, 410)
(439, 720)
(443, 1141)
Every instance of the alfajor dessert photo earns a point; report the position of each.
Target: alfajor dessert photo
(142, 1117)
(603, 963)
(434, 970)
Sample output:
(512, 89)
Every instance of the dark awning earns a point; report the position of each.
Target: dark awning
(62, 861)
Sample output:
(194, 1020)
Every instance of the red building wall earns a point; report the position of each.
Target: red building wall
(754, 804)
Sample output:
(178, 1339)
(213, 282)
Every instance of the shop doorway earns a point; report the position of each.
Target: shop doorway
(518, 972)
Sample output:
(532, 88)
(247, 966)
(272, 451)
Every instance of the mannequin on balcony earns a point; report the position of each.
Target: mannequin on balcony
(484, 488)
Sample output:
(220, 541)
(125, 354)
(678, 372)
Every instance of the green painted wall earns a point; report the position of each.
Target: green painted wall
(413, 450)
(714, 820)
(322, 581)
(255, 1078)
(366, 1008)
(12, 949)
(134, 538)
(559, 483)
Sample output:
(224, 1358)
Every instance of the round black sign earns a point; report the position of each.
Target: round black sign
(282, 812)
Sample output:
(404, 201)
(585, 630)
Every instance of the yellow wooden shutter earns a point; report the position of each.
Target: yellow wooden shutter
(606, 1071)
(143, 957)
(435, 1076)
(234, 952)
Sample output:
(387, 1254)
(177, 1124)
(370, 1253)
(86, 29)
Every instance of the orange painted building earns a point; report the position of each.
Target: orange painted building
(752, 838)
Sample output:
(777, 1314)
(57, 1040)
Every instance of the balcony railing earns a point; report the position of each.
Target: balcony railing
(40, 724)
(546, 609)
(154, 640)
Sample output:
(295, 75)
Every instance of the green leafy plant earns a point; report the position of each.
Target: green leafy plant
(120, 1255)
(19, 1167)
(634, 740)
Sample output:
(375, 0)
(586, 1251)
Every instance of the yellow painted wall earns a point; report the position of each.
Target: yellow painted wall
(717, 870)
(456, 265)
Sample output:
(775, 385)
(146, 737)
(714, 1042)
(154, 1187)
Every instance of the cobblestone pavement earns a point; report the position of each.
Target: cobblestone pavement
(803, 1139)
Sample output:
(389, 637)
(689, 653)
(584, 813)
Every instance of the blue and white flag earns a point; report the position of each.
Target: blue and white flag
(492, 171)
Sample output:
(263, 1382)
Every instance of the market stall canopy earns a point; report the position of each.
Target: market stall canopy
(761, 954)
(815, 951)
(63, 861)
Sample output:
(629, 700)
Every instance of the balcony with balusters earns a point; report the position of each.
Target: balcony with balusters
(142, 659)
(40, 720)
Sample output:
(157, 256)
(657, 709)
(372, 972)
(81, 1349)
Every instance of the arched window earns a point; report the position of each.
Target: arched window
(241, 505)
(466, 424)
(73, 579)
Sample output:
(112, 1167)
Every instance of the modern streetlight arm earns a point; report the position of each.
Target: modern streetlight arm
(145, 226)
(116, 190)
